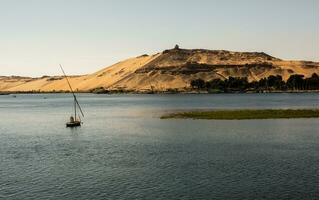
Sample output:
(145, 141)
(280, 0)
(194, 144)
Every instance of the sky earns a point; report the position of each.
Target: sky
(88, 35)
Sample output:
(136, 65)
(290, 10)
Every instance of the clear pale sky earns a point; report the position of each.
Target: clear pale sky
(87, 35)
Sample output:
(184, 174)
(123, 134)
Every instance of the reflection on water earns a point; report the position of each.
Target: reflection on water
(124, 151)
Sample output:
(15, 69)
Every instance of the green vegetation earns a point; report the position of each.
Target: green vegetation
(272, 83)
(244, 114)
(100, 90)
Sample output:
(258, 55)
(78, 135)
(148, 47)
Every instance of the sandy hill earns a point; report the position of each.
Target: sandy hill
(171, 69)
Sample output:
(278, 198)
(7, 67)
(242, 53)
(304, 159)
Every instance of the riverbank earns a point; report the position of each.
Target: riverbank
(159, 92)
(4, 93)
(244, 114)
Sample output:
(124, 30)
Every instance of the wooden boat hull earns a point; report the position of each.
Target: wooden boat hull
(73, 124)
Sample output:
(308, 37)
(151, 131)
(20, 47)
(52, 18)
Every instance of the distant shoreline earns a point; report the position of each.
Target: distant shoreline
(164, 92)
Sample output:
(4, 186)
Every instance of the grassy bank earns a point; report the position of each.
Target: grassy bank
(244, 114)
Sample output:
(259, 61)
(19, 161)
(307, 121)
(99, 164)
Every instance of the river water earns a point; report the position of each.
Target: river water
(125, 151)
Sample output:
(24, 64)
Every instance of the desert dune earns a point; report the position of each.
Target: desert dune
(171, 69)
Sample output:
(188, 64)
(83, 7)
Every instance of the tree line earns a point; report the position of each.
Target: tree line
(272, 83)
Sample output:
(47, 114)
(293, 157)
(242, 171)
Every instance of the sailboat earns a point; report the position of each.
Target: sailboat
(76, 120)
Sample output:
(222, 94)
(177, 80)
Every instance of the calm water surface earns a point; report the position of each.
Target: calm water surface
(124, 151)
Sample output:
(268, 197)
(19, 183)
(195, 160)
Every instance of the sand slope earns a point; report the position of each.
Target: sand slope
(171, 69)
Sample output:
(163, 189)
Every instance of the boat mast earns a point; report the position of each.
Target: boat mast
(74, 110)
(76, 103)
